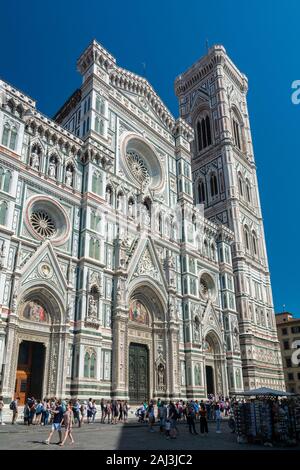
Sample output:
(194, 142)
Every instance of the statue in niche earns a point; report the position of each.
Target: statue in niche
(52, 169)
(92, 310)
(35, 161)
(197, 331)
(69, 177)
(161, 376)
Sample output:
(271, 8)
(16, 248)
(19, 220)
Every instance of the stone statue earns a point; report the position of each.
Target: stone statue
(161, 375)
(52, 169)
(93, 310)
(69, 177)
(35, 161)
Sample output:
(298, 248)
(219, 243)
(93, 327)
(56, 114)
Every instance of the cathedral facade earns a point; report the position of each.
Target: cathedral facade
(132, 253)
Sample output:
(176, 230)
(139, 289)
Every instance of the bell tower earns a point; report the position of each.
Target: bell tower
(212, 99)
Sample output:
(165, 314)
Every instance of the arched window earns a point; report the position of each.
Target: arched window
(201, 192)
(93, 366)
(91, 248)
(95, 220)
(237, 133)
(225, 304)
(5, 178)
(203, 133)
(205, 248)
(248, 191)
(13, 138)
(246, 238)
(254, 244)
(100, 104)
(3, 212)
(5, 134)
(86, 365)
(97, 183)
(9, 136)
(97, 250)
(94, 249)
(108, 195)
(213, 252)
(241, 185)
(213, 185)
(160, 224)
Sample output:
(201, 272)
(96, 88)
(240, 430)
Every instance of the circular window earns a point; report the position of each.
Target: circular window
(47, 219)
(207, 287)
(141, 162)
(138, 168)
(42, 223)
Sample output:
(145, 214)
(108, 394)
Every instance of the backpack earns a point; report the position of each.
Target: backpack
(12, 405)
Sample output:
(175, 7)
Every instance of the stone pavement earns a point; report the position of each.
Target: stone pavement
(129, 436)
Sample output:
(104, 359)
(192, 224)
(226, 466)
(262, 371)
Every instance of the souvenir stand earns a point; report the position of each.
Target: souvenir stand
(267, 416)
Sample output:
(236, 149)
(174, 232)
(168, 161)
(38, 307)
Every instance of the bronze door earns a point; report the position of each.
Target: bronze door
(138, 373)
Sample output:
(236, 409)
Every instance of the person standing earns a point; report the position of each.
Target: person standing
(191, 415)
(68, 419)
(89, 410)
(125, 411)
(151, 416)
(162, 416)
(218, 418)
(102, 406)
(56, 424)
(1, 411)
(14, 407)
(203, 419)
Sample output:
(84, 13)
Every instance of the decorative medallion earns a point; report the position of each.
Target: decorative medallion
(45, 270)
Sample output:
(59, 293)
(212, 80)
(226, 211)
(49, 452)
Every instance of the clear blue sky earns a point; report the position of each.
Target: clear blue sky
(41, 40)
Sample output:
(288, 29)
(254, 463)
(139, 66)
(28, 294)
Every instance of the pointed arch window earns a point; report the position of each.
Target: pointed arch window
(237, 130)
(248, 191)
(9, 136)
(254, 244)
(201, 192)
(5, 178)
(204, 133)
(247, 238)
(3, 212)
(92, 366)
(160, 224)
(214, 191)
(100, 104)
(241, 185)
(97, 187)
(86, 365)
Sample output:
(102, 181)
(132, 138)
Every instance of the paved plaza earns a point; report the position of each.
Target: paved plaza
(129, 436)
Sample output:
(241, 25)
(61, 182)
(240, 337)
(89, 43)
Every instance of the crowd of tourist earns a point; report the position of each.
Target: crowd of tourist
(168, 414)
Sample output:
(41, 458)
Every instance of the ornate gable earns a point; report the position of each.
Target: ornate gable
(211, 320)
(145, 263)
(43, 266)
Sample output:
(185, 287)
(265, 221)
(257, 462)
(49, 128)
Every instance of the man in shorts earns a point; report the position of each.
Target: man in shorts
(56, 423)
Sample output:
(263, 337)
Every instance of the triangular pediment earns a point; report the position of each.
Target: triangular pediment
(144, 106)
(210, 318)
(44, 267)
(145, 263)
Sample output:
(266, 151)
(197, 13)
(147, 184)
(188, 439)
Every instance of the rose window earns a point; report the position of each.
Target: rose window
(207, 287)
(138, 168)
(46, 218)
(43, 224)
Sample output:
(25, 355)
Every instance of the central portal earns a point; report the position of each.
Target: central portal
(138, 373)
(30, 371)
